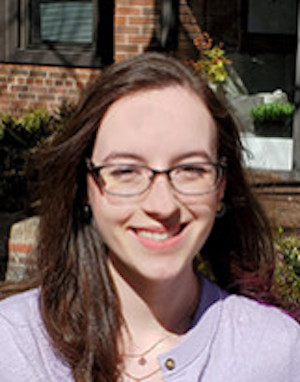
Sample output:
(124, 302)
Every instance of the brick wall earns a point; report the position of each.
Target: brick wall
(24, 87)
(134, 26)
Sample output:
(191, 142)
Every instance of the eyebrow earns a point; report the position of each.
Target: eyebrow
(201, 153)
(127, 155)
(122, 155)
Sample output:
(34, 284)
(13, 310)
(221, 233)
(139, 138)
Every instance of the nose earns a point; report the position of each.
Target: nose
(160, 201)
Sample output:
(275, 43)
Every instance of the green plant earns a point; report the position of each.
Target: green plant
(19, 137)
(287, 272)
(275, 112)
(27, 130)
(212, 61)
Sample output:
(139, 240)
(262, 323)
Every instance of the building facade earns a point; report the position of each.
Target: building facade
(49, 50)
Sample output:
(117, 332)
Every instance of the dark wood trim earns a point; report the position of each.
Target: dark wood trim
(105, 31)
(268, 43)
(2, 34)
(56, 57)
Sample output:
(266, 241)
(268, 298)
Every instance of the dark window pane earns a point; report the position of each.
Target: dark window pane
(63, 21)
(272, 17)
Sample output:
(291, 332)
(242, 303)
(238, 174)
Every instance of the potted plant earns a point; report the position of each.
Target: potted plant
(273, 119)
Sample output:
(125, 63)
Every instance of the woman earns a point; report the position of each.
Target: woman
(147, 174)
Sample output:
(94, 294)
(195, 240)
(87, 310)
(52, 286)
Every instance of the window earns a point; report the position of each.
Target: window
(72, 33)
(269, 26)
(61, 22)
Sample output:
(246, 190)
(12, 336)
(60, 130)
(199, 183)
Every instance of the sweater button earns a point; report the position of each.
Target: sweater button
(170, 364)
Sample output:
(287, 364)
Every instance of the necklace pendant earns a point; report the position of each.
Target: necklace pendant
(142, 361)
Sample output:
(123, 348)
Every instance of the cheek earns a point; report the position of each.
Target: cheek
(203, 206)
(107, 210)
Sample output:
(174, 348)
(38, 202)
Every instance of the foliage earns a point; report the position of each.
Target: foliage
(19, 136)
(212, 60)
(287, 272)
(26, 131)
(279, 112)
(286, 282)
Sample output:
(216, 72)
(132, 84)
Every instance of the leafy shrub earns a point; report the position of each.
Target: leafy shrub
(287, 272)
(286, 282)
(279, 112)
(18, 138)
(26, 131)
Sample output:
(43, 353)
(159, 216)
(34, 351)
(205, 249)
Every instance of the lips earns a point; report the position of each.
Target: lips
(154, 235)
(159, 238)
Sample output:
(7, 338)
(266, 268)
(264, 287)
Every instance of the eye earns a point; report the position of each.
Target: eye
(124, 173)
(194, 171)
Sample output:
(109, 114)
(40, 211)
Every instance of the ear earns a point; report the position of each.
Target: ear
(221, 189)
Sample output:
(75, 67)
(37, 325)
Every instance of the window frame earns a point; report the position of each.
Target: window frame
(16, 46)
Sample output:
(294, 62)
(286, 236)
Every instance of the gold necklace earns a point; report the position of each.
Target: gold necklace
(139, 379)
(141, 356)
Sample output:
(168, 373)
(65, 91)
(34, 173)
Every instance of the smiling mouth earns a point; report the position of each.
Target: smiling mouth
(159, 236)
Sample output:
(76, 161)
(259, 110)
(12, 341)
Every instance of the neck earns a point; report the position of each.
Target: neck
(160, 306)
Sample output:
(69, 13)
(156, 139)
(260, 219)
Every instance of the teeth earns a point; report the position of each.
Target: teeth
(154, 235)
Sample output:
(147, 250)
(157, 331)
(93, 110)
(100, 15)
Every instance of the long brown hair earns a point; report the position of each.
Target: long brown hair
(79, 303)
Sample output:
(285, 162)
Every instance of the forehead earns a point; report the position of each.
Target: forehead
(157, 122)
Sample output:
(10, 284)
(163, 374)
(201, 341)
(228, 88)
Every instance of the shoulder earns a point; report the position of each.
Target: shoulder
(268, 337)
(234, 338)
(243, 312)
(246, 312)
(20, 309)
(28, 353)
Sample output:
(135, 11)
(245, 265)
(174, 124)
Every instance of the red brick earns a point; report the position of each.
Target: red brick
(82, 76)
(148, 11)
(120, 56)
(141, 2)
(57, 90)
(8, 96)
(58, 75)
(58, 83)
(38, 81)
(69, 83)
(21, 81)
(140, 20)
(120, 39)
(19, 71)
(139, 39)
(37, 105)
(46, 97)
(19, 88)
(19, 247)
(48, 82)
(127, 48)
(126, 29)
(120, 20)
(147, 31)
(28, 96)
(128, 10)
(37, 89)
(37, 73)
(4, 70)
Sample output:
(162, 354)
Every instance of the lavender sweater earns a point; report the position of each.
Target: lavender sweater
(233, 339)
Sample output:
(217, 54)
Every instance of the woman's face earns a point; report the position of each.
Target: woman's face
(155, 235)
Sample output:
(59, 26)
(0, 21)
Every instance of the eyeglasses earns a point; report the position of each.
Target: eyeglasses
(126, 180)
